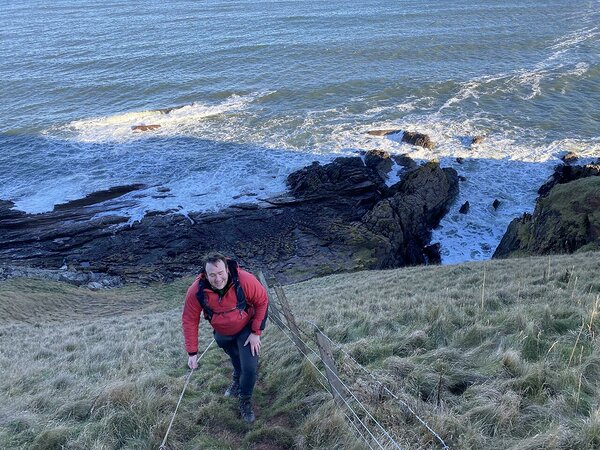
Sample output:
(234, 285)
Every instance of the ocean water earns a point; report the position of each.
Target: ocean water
(261, 88)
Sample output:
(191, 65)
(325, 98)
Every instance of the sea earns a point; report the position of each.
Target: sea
(247, 91)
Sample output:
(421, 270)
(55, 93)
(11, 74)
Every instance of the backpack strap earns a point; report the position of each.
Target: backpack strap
(241, 303)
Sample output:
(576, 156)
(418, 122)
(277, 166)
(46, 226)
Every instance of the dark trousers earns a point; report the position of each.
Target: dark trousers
(244, 364)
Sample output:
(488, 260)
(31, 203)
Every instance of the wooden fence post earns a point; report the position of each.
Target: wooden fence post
(273, 310)
(289, 317)
(337, 388)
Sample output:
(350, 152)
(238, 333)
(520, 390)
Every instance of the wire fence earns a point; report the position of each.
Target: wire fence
(363, 421)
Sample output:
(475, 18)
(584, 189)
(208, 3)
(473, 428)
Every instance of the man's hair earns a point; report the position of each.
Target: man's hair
(213, 258)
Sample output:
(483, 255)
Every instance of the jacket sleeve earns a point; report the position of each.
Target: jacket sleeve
(256, 295)
(190, 319)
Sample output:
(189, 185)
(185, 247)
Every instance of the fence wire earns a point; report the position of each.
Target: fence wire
(379, 383)
(340, 395)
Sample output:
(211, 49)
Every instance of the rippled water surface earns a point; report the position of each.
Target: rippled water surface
(261, 88)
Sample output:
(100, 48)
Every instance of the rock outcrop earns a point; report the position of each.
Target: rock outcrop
(410, 137)
(566, 173)
(336, 217)
(566, 217)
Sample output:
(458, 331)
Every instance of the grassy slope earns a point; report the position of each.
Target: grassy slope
(512, 362)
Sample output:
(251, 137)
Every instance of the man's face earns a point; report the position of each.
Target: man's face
(217, 274)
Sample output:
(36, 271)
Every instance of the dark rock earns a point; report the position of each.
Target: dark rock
(566, 220)
(462, 178)
(379, 161)
(405, 161)
(432, 253)
(460, 160)
(496, 204)
(343, 175)
(569, 158)
(406, 219)
(99, 196)
(464, 209)
(172, 108)
(410, 137)
(420, 139)
(566, 173)
(337, 217)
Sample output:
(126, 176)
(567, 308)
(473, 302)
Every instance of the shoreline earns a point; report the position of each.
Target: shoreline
(334, 218)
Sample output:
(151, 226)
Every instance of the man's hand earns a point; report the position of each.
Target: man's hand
(193, 362)
(254, 341)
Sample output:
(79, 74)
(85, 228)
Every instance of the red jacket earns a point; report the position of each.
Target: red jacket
(227, 320)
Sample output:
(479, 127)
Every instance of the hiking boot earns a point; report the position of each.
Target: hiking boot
(233, 390)
(246, 409)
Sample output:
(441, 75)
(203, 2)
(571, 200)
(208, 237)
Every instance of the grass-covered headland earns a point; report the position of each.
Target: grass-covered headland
(495, 355)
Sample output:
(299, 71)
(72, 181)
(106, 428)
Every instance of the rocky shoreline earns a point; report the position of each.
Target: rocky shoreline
(338, 217)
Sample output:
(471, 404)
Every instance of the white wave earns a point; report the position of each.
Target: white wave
(556, 65)
(573, 39)
(181, 120)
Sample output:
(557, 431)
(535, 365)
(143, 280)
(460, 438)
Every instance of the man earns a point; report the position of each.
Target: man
(235, 303)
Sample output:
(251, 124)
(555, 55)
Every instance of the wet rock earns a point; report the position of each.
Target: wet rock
(383, 132)
(460, 160)
(420, 139)
(172, 108)
(99, 196)
(335, 217)
(567, 173)
(464, 209)
(410, 137)
(569, 158)
(379, 161)
(477, 139)
(495, 204)
(405, 161)
(143, 127)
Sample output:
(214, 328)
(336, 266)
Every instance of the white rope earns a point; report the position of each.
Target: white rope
(382, 385)
(162, 445)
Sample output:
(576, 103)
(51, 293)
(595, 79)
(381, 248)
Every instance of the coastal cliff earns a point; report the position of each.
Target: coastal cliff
(566, 218)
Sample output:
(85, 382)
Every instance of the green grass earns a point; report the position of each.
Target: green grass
(510, 363)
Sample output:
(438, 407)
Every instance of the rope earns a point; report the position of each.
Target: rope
(187, 380)
(382, 385)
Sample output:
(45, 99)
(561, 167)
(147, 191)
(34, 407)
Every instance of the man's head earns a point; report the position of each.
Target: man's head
(215, 266)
